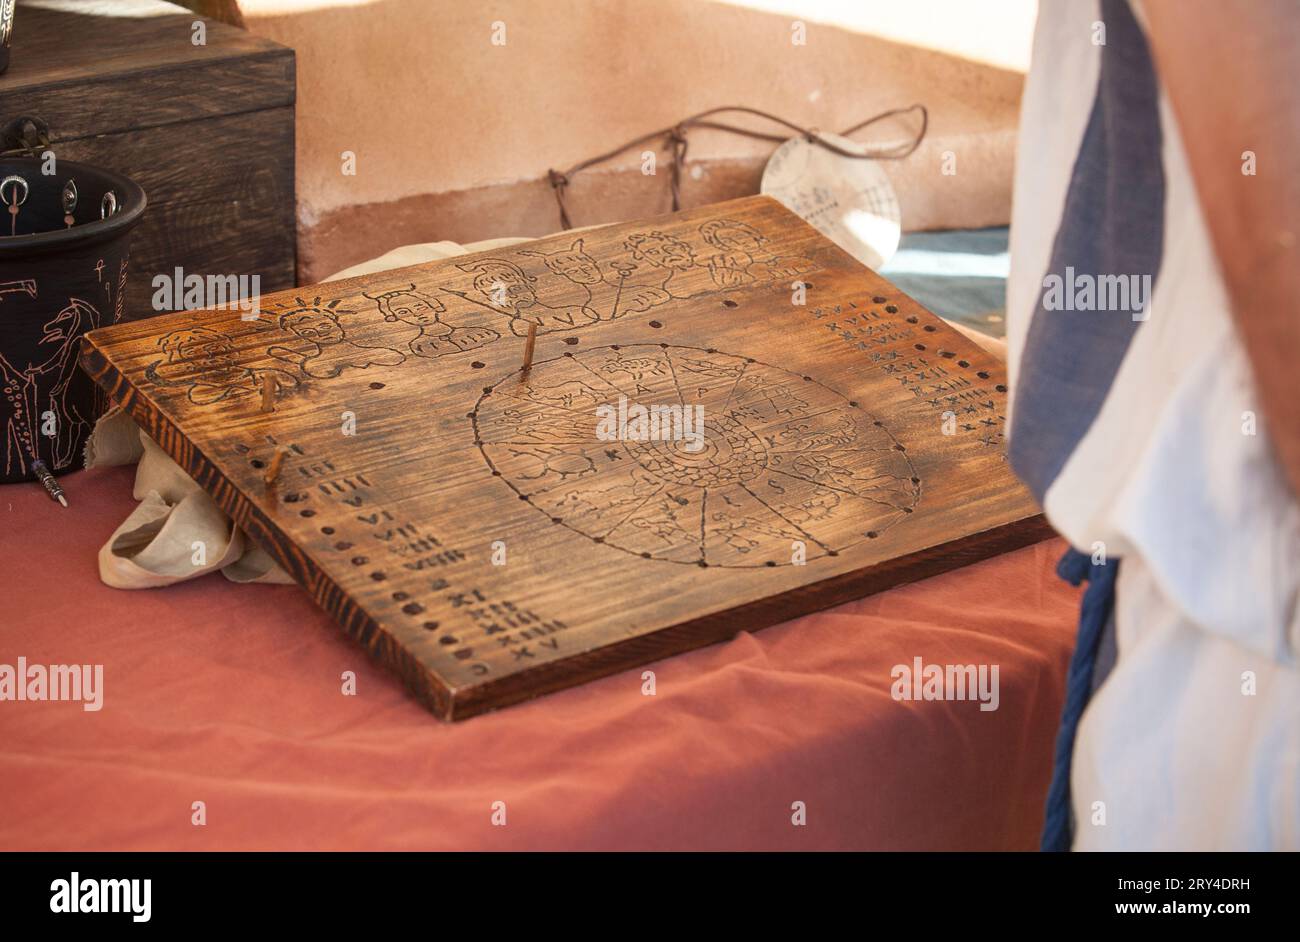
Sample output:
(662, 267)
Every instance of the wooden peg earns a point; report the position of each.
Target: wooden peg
(268, 392)
(273, 471)
(528, 349)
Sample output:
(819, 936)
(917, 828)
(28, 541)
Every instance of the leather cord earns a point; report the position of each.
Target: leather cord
(676, 141)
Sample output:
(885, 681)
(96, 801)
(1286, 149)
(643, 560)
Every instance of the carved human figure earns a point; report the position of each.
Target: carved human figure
(742, 255)
(436, 337)
(205, 363)
(318, 328)
(616, 295)
(672, 255)
(508, 289)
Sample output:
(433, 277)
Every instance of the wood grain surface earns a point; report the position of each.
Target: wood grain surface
(492, 536)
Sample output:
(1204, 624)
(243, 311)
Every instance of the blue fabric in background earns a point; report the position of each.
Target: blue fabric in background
(1111, 226)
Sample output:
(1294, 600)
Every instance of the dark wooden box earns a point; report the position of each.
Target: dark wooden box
(206, 130)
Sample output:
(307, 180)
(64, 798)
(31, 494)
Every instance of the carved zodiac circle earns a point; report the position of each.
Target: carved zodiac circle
(695, 456)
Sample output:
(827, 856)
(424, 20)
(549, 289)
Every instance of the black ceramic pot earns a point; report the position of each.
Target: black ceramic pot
(56, 283)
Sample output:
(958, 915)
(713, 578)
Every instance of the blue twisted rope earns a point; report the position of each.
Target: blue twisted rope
(1098, 603)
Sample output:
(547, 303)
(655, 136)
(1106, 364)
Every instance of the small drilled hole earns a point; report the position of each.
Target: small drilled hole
(571, 341)
(478, 364)
(376, 385)
(729, 303)
(656, 325)
(258, 463)
(1000, 388)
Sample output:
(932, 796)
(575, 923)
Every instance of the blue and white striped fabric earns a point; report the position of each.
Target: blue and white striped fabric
(1135, 422)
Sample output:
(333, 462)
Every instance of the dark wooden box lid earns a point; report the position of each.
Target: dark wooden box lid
(95, 68)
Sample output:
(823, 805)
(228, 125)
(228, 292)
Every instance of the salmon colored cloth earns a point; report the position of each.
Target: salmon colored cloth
(230, 695)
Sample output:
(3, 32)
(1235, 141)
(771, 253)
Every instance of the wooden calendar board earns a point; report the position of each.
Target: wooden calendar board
(486, 536)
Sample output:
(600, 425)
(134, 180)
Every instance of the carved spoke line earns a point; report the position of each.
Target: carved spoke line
(636, 510)
(618, 294)
(672, 367)
(785, 518)
(493, 308)
(739, 377)
(704, 511)
(704, 491)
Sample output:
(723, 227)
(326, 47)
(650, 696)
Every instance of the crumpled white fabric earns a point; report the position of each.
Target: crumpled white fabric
(177, 532)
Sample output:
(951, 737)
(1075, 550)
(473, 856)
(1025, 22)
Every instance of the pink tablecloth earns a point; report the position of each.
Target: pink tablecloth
(230, 695)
